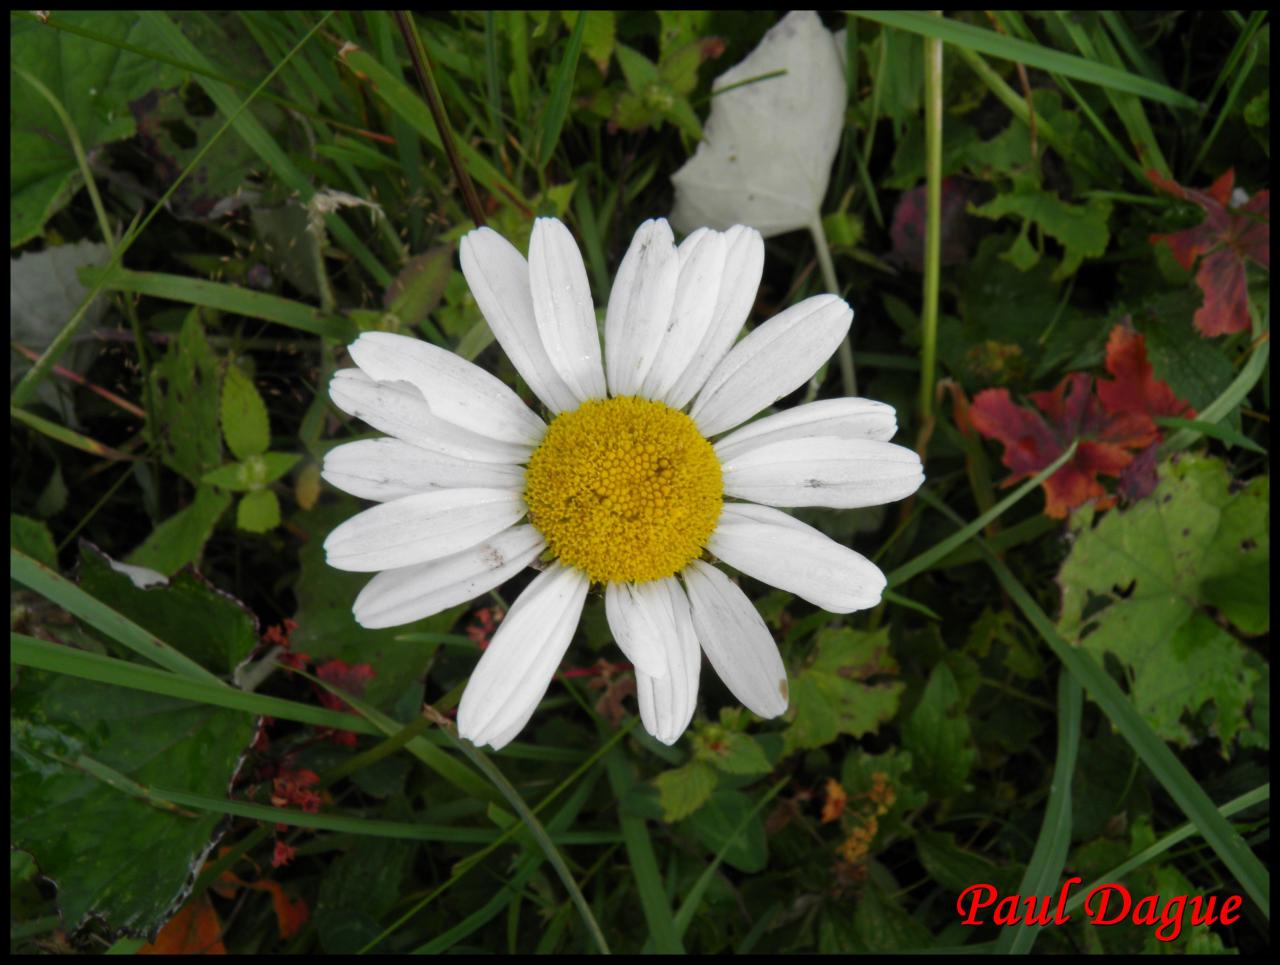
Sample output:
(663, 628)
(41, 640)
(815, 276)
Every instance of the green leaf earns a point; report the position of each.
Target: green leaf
(32, 537)
(714, 825)
(43, 172)
(937, 735)
(244, 415)
(184, 385)
(598, 37)
(258, 512)
(1081, 229)
(180, 539)
(730, 752)
(419, 287)
(956, 868)
(880, 924)
(832, 696)
(211, 627)
(256, 472)
(110, 852)
(682, 790)
(1161, 566)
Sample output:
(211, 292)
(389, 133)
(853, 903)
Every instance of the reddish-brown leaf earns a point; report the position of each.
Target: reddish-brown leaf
(1226, 238)
(1033, 440)
(194, 930)
(1134, 386)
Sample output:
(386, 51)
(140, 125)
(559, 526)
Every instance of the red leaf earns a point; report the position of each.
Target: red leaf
(1134, 387)
(1226, 239)
(1032, 442)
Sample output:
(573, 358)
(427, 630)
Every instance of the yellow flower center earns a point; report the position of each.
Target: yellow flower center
(626, 490)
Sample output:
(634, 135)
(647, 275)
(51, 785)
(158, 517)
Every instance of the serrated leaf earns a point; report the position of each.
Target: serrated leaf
(938, 736)
(244, 415)
(831, 696)
(1161, 565)
(184, 385)
(180, 539)
(258, 512)
(682, 790)
(1081, 229)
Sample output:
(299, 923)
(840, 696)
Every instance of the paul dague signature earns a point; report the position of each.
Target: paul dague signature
(1106, 904)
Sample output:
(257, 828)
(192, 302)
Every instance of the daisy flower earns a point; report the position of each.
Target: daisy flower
(634, 480)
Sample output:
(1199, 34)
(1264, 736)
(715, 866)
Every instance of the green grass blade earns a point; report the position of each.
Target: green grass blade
(227, 298)
(263, 144)
(1159, 759)
(512, 796)
(940, 550)
(103, 618)
(68, 437)
(557, 108)
(26, 651)
(1176, 836)
(26, 388)
(1097, 48)
(688, 907)
(342, 823)
(534, 826)
(1231, 396)
(528, 866)
(1050, 854)
(398, 96)
(1219, 431)
(663, 933)
(1032, 55)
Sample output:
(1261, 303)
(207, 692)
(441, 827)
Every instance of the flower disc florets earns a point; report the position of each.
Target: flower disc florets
(626, 489)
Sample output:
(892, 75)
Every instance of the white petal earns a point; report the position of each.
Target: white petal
(426, 526)
(456, 390)
(847, 418)
(499, 279)
(514, 672)
(410, 593)
(640, 306)
(386, 469)
(824, 471)
(736, 640)
(740, 278)
(782, 551)
(775, 359)
(563, 309)
(667, 703)
(765, 158)
(398, 409)
(639, 620)
(701, 268)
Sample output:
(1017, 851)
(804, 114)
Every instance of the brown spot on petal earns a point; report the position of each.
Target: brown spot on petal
(782, 689)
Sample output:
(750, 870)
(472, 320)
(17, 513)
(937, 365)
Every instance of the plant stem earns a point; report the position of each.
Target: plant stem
(933, 223)
(848, 377)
